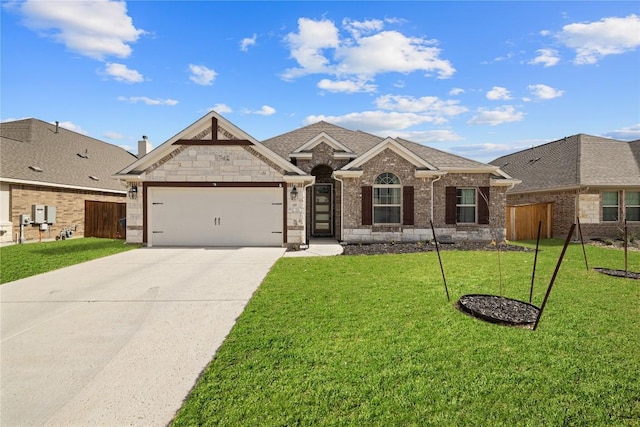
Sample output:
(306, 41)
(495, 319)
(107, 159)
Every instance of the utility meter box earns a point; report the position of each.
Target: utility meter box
(44, 226)
(37, 214)
(50, 214)
(25, 219)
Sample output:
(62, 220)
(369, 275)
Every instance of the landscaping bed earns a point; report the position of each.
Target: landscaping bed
(413, 247)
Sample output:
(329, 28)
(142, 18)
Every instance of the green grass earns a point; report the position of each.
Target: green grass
(372, 341)
(20, 261)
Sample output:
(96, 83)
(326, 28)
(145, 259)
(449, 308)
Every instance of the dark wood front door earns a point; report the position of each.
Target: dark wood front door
(322, 210)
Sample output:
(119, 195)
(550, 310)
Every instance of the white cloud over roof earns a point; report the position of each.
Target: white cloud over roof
(122, 73)
(96, 29)
(592, 41)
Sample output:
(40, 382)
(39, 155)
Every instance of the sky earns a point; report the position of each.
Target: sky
(478, 79)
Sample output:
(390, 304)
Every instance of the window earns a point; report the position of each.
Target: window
(610, 206)
(632, 203)
(466, 205)
(387, 199)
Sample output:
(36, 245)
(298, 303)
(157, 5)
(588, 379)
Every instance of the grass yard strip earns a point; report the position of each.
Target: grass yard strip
(29, 259)
(372, 340)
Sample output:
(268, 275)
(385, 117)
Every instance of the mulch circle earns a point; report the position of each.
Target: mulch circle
(618, 273)
(499, 310)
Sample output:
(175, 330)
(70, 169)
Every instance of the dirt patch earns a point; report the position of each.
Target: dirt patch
(614, 244)
(499, 310)
(406, 248)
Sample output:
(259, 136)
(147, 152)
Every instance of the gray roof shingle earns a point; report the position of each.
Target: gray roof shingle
(360, 142)
(66, 158)
(575, 161)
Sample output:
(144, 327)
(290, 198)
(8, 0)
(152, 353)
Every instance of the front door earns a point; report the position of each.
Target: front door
(322, 210)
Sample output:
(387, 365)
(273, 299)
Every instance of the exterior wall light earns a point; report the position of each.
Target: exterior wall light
(133, 191)
(294, 193)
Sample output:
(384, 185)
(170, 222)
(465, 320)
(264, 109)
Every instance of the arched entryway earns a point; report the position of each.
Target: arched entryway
(322, 209)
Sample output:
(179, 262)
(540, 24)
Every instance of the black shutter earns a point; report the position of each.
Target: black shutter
(367, 205)
(483, 205)
(407, 206)
(450, 205)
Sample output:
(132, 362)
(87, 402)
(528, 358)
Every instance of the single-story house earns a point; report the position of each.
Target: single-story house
(212, 184)
(49, 174)
(591, 179)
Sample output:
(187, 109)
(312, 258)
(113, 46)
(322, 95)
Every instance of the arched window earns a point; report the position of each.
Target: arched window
(387, 199)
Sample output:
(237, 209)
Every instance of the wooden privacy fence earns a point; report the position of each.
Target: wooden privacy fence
(522, 221)
(102, 219)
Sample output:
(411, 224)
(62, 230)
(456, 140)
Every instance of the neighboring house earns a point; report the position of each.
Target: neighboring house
(591, 178)
(49, 173)
(213, 184)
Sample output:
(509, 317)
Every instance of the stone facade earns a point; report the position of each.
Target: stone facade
(69, 205)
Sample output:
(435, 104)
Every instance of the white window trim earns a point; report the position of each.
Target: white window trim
(373, 200)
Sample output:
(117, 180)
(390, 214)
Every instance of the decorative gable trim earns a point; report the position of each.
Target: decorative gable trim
(320, 138)
(393, 145)
(195, 134)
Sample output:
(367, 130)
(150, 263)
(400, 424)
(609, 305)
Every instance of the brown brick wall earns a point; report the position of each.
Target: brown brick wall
(69, 208)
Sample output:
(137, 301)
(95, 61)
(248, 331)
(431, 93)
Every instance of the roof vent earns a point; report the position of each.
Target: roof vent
(95, 178)
(35, 168)
(57, 126)
(84, 155)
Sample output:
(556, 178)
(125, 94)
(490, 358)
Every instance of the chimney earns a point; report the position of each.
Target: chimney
(144, 146)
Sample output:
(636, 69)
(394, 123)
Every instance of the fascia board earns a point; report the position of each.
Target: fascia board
(70, 187)
(504, 182)
(428, 174)
(347, 173)
(322, 136)
(296, 179)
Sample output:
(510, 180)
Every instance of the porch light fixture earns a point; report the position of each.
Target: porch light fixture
(133, 191)
(294, 193)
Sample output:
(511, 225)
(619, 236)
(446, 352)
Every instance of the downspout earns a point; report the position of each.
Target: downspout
(341, 206)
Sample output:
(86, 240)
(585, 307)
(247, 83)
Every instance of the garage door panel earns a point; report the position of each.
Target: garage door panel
(244, 216)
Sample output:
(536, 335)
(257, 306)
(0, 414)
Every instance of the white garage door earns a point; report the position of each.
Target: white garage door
(188, 216)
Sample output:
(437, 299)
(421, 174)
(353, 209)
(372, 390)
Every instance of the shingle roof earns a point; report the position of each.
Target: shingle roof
(360, 142)
(66, 158)
(578, 160)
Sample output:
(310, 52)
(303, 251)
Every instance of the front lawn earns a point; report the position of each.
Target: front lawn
(29, 259)
(372, 341)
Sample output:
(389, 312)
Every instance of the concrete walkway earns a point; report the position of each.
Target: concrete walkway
(318, 247)
(120, 341)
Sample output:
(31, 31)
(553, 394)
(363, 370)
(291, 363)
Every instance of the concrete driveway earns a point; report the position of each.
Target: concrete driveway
(120, 340)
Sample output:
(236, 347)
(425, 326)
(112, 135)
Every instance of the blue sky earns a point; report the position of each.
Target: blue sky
(479, 79)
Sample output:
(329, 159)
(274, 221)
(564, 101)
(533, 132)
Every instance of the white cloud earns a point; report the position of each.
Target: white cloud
(546, 57)
(121, 73)
(431, 106)
(361, 56)
(545, 92)
(264, 111)
(307, 45)
(92, 28)
(201, 75)
(221, 108)
(428, 136)
(498, 93)
(630, 133)
(113, 135)
(147, 101)
(504, 114)
(247, 42)
(373, 121)
(391, 51)
(357, 28)
(456, 91)
(594, 40)
(346, 86)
